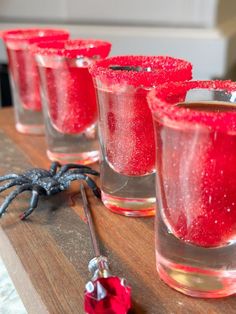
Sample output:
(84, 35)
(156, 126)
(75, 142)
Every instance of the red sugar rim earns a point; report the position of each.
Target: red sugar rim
(34, 35)
(73, 48)
(157, 69)
(163, 102)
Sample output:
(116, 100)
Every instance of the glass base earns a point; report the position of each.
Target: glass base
(201, 283)
(30, 129)
(133, 207)
(204, 272)
(80, 158)
(132, 196)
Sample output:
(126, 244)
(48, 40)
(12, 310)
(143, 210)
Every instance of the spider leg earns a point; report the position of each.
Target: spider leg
(12, 183)
(13, 195)
(78, 171)
(78, 176)
(53, 168)
(33, 204)
(86, 169)
(9, 176)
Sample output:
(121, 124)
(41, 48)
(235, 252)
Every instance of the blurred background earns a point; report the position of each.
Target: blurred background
(203, 32)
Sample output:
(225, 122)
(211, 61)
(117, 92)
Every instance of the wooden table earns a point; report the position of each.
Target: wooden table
(47, 255)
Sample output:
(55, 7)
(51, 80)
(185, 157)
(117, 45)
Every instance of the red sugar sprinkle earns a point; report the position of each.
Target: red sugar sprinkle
(33, 35)
(163, 98)
(162, 69)
(73, 48)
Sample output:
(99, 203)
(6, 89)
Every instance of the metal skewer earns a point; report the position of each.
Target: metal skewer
(98, 265)
(104, 293)
(90, 222)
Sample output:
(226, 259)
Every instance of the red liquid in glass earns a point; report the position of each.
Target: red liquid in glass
(197, 179)
(71, 98)
(127, 131)
(25, 76)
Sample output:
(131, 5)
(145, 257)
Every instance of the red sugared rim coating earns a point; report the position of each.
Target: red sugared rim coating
(163, 102)
(73, 48)
(34, 35)
(160, 70)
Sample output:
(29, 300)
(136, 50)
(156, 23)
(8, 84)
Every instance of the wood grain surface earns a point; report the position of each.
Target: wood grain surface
(47, 255)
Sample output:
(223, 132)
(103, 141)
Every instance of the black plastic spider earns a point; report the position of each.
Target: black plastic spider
(46, 182)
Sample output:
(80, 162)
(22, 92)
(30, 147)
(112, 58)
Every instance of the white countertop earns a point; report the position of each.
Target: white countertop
(10, 302)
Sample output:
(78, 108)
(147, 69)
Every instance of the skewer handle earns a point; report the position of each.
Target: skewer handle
(90, 222)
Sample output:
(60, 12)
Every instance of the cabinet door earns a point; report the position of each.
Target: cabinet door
(145, 12)
(32, 10)
(195, 13)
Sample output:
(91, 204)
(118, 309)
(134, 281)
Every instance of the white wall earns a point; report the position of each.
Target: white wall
(197, 13)
(195, 30)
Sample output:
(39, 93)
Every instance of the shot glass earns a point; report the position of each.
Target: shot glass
(195, 128)
(126, 128)
(24, 76)
(69, 99)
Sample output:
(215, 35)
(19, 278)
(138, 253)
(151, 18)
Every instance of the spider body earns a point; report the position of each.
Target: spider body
(45, 182)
